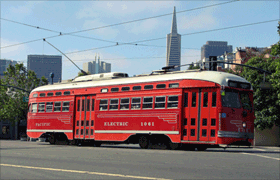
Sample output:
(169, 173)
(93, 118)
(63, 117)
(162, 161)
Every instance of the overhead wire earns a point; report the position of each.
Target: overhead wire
(101, 27)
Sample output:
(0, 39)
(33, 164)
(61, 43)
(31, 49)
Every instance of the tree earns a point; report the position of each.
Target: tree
(12, 107)
(192, 66)
(266, 102)
(82, 74)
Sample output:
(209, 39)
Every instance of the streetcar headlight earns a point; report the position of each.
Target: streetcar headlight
(244, 124)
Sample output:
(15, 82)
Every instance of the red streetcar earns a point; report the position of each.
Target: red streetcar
(196, 108)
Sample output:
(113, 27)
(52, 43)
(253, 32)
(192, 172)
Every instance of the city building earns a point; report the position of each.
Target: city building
(4, 64)
(97, 66)
(215, 48)
(43, 65)
(173, 56)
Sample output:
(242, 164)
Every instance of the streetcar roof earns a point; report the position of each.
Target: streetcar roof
(218, 77)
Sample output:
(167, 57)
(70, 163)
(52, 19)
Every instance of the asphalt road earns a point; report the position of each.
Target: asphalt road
(39, 160)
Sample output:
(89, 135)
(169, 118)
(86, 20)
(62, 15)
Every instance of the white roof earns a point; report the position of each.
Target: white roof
(212, 76)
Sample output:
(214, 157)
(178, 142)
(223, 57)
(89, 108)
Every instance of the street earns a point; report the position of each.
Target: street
(40, 160)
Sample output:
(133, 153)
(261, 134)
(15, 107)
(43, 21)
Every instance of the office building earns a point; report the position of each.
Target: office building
(43, 65)
(215, 48)
(4, 64)
(173, 56)
(97, 66)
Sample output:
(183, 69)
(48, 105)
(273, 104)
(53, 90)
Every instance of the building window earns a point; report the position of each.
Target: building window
(49, 107)
(57, 107)
(41, 107)
(124, 103)
(147, 102)
(160, 102)
(103, 104)
(114, 104)
(172, 102)
(65, 106)
(135, 103)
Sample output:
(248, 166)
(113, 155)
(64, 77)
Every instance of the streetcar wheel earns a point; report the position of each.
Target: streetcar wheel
(52, 139)
(144, 142)
(173, 146)
(202, 148)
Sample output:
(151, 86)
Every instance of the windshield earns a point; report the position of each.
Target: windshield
(231, 99)
(245, 100)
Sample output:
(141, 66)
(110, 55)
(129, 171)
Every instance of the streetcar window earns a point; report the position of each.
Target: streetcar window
(245, 85)
(34, 108)
(148, 87)
(192, 121)
(124, 103)
(231, 99)
(125, 88)
(114, 104)
(35, 95)
(83, 105)
(147, 102)
(92, 105)
(114, 89)
(57, 106)
(104, 90)
(174, 85)
(160, 102)
(245, 100)
(186, 102)
(213, 133)
(135, 103)
(49, 107)
(88, 104)
(161, 86)
(29, 108)
(135, 88)
(65, 106)
(192, 132)
(42, 94)
(194, 99)
(214, 99)
(213, 122)
(50, 94)
(78, 105)
(204, 122)
(91, 132)
(172, 102)
(66, 93)
(58, 93)
(205, 99)
(204, 132)
(103, 104)
(41, 107)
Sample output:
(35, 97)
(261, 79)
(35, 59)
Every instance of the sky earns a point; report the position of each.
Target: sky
(98, 26)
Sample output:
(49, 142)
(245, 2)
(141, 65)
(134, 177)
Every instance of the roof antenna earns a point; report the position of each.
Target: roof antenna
(67, 57)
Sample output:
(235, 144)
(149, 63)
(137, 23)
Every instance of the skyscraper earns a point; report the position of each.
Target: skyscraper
(97, 66)
(215, 48)
(43, 65)
(4, 64)
(173, 56)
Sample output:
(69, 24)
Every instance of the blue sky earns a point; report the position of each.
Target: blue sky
(72, 16)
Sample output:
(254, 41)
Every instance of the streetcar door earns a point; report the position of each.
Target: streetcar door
(208, 114)
(190, 117)
(84, 119)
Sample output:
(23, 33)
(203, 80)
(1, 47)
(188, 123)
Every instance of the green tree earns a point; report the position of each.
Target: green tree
(266, 102)
(82, 74)
(12, 107)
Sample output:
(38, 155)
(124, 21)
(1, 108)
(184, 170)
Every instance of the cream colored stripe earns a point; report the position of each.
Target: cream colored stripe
(81, 172)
